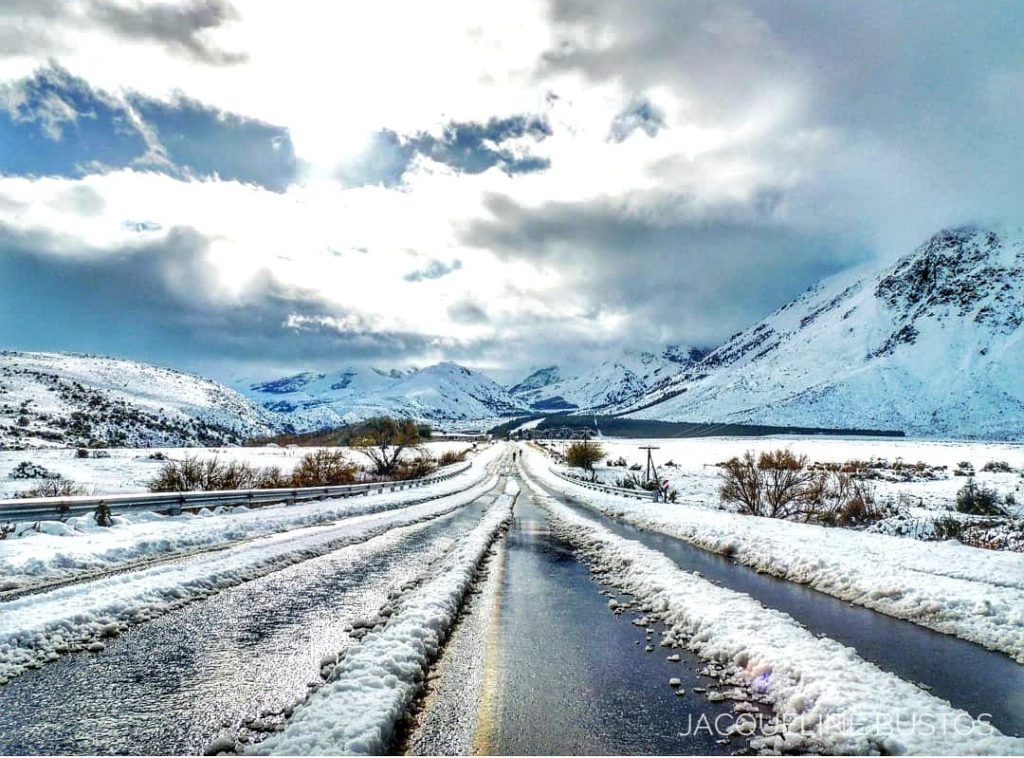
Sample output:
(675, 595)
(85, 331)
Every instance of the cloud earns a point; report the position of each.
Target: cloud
(468, 312)
(181, 28)
(690, 275)
(639, 114)
(468, 147)
(162, 300)
(178, 26)
(433, 270)
(56, 124)
(890, 100)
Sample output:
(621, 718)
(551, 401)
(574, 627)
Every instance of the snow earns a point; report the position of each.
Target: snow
(39, 627)
(160, 406)
(931, 345)
(824, 695)
(358, 710)
(444, 392)
(129, 470)
(79, 546)
(695, 476)
(974, 594)
(619, 380)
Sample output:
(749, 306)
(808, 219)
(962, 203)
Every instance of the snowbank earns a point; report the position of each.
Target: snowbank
(370, 689)
(974, 594)
(80, 547)
(40, 627)
(823, 694)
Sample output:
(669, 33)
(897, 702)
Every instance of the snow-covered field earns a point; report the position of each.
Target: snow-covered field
(129, 470)
(695, 475)
(825, 697)
(40, 627)
(972, 593)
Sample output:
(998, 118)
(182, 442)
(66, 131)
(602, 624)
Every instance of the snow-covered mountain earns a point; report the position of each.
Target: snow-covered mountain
(617, 381)
(932, 345)
(443, 392)
(57, 399)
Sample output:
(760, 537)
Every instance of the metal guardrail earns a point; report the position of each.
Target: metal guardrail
(635, 494)
(60, 508)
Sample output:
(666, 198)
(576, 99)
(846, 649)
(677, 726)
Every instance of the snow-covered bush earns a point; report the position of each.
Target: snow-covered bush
(978, 500)
(997, 467)
(29, 470)
(103, 515)
(964, 468)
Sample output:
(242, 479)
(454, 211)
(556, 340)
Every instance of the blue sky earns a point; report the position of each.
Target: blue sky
(247, 188)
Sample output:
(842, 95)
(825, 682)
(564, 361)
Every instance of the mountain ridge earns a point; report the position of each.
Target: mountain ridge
(930, 345)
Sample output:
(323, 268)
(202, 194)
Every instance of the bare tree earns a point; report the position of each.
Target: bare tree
(383, 439)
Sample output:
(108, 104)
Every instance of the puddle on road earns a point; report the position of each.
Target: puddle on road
(542, 666)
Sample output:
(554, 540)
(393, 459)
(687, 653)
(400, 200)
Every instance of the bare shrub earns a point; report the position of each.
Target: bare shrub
(324, 468)
(415, 468)
(584, 454)
(54, 488)
(448, 457)
(190, 474)
(779, 484)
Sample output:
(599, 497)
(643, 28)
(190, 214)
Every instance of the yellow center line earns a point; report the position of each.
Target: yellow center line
(487, 712)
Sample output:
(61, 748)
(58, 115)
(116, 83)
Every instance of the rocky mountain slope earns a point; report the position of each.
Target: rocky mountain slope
(617, 381)
(443, 392)
(58, 399)
(932, 345)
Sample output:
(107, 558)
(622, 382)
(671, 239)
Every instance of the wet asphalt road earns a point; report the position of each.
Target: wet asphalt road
(544, 667)
(970, 677)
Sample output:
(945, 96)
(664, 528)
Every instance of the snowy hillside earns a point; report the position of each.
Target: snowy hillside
(617, 381)
(932, 345)
(443, 392)
(55, 399)
(314, 401)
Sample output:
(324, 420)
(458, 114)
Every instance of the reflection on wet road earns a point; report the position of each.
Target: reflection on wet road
(564, 674)
(970, 677)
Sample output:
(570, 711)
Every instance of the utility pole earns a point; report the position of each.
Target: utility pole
(651, 469)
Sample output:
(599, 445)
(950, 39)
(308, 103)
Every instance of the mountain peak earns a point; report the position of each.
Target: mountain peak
(928, 345)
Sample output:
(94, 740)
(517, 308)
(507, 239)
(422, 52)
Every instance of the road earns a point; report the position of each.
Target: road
(536, 663)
